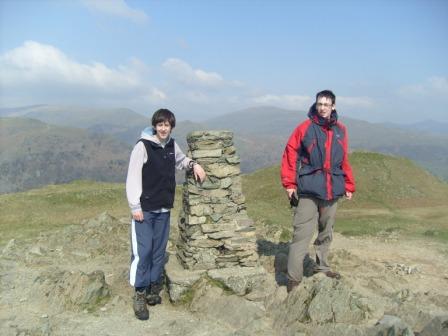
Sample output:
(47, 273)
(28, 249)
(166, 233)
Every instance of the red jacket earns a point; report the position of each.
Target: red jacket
(315, 160)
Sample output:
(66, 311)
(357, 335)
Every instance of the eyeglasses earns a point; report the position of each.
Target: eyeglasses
(323, 105)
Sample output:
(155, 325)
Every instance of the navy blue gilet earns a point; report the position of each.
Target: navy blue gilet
(158, 176)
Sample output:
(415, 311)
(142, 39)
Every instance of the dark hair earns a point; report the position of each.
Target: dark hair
(326, 94)
(163, 115)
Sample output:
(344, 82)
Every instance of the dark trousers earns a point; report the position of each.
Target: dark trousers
(148, 241)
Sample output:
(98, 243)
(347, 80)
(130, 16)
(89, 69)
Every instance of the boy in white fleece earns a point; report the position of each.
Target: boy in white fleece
(150, 189)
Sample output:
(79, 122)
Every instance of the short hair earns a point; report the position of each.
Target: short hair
(326, 94)
(163, 115)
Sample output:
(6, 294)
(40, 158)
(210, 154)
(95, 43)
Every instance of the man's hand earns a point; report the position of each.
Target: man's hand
(348, 195)
(290, 192)
(138, 216)
(199, 173)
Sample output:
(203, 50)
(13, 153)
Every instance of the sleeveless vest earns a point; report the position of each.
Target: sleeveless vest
(158, 176)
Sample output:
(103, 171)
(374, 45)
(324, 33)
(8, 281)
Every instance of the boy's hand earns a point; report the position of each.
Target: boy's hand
(290, 192)
(348, 195)
(199, 173)
(138, 216)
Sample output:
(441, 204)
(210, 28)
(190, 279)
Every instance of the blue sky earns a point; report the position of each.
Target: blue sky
(385, 60)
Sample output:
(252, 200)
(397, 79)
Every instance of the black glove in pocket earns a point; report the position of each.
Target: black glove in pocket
(294, 201)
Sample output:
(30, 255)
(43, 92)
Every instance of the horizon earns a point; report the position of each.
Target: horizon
(199, 120)
(386, 62)
(205, 119)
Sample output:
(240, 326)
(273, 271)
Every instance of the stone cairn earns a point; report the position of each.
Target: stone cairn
(215, 230)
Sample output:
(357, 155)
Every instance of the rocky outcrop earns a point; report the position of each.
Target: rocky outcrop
(73, 290)
(390, 325)
(321, 300)
(438, 326)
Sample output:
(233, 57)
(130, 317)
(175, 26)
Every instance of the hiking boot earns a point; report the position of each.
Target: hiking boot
(140, 309)
(153, 294)
(334, 275)
(291, 285)
(330, 274)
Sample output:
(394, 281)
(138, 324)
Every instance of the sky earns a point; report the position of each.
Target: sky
(386, 61)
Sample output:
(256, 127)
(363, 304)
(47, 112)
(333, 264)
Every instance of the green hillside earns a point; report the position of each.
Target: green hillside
(27, 213)
(393, 196)
(122, 123)
(34, 153)
(262, 132)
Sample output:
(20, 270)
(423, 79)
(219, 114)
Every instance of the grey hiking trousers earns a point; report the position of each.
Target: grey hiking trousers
(311, 213)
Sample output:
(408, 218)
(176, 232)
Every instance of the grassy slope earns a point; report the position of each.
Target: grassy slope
(393, 195)
(27, 213)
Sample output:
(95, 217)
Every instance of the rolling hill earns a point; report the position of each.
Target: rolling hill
(34, 154)
(262, 134)
(122, 123)
(393, 196)
(65, 263)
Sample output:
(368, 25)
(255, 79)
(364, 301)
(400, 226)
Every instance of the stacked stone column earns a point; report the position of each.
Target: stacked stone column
(215, 230)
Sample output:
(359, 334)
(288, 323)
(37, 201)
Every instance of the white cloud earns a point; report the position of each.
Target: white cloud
(185, 73)
(157, 94)
(36, 73)
(356, 102)
(432, 86)
(285, 101)
(40, 69)
(116, 8)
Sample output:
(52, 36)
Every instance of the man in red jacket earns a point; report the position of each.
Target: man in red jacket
(315, 173)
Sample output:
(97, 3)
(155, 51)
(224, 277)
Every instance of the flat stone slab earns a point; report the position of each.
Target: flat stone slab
(241, 280)
(207, 153)
(180, 279)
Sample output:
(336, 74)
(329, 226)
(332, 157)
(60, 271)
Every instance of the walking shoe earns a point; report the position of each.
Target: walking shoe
(291, 285)
(330, 274)
(153, 294)
(140, 309)
(334, 275)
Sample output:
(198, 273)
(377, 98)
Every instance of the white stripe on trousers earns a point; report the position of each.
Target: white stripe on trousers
(133, 270)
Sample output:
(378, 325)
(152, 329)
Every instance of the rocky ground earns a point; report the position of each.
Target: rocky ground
(74, 282)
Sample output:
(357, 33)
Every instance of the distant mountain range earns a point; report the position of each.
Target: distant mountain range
(34, 154)
(262, 134)
(427, 126)
(108, 134)
(123, 124)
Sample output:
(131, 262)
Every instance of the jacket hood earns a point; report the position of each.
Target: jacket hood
(149, 134)
(317, 119)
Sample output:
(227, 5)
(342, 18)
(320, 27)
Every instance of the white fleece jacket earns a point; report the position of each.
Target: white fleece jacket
(139, 157)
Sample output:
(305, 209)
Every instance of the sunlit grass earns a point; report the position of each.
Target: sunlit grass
(409, 209)
(25, 214)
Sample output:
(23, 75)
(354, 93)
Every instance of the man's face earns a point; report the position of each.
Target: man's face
(163, 130)
(324, 107)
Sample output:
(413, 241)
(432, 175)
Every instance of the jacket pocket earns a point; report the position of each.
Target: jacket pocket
(338, 183)
(311, 182)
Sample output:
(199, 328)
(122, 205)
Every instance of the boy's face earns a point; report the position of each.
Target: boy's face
(324, 107)
(163, 130)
